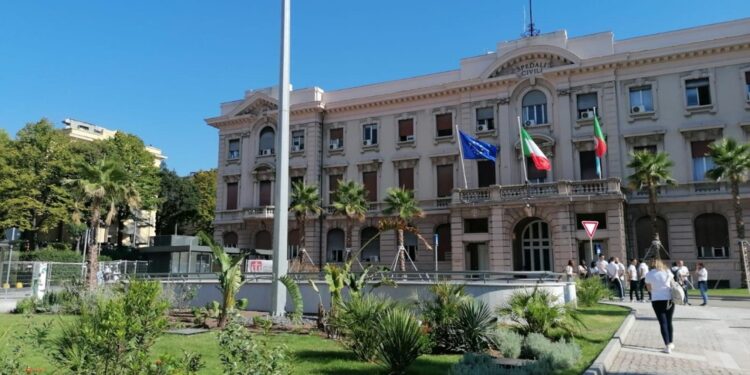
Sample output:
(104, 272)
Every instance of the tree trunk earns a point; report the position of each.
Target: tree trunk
(739, 223)
(652, 193)
(349, 229)
(93, 250)
(401, 251)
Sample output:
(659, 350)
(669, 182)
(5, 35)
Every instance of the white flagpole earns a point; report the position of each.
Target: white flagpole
(461, 154)
(523, 157)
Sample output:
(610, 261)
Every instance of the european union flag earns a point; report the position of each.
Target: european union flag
(476, 149)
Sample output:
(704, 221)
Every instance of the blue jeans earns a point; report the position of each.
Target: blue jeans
(703, 287)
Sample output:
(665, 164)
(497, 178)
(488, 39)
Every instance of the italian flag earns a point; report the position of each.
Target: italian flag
(531, 150)
(599, 144)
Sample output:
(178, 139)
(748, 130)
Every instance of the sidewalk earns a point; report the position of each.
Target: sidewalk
(708, 340)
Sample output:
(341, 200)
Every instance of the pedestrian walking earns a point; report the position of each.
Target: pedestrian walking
(601, 265)
(583, 271)
(570, 271)
(613, 273)
(621, 274)
(683, 278)
(658, 282)
(701, 274)
(642, 271)
(633, 278)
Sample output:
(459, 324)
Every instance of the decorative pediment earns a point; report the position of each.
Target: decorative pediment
(264, 172)
(531, 61)
(231, 178)
(257, 108)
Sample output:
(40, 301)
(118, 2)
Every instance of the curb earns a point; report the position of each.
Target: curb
(607, 356)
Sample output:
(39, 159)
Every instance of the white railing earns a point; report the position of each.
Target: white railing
(551, 189)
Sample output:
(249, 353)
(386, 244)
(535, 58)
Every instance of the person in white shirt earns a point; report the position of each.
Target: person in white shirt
(601, 265)
(621, 274)
(583, 271)
(570, 271)
(683, 278)
(613, 274)
(642, 271)
(633, 278)
(658, 282)
(702, 275)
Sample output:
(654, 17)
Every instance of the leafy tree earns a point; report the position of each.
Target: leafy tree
(103, 186)
(230, 277)
(8, 187)
(205, 184)
(649, 171)
(305, 202)
(350, 201)
(179, 202)
(401, 202)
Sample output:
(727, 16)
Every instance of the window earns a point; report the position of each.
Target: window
(485, 173)
(712, 236)
(588, 165)
(443, 232)
(232, 196)
(701, 161)
(444, 180)
(601, 217)
(370, 134)
(485, 119)
(476, 225)
(644, 235)
(264, 198)
(649, 148)
(370, 253)
(234, 149)
(298, 140)
(534, 108)
(335, 245)
(444, 124)
(370, 180)
(229, 239)
(266, 142)
(535, 175)
(697, 92)
(411, 245)
(296, 180)
(747, 86)
(333, 185)
(641, 99)
(586, 104)
(336, 139)
(406, 178)
(406, 130)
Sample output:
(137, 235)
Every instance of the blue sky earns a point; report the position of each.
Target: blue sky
(158, 68)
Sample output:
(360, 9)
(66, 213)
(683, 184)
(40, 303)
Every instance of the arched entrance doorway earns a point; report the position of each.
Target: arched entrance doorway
(532, 246)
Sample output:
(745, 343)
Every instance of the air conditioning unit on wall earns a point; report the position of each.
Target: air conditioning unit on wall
(638, 109)
(529, 123)
(482, 128)
(368, 142)
(587, 115)
(267, 151)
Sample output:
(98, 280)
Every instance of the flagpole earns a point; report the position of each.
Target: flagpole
(598, 159)
(523, 157)
(461, 153)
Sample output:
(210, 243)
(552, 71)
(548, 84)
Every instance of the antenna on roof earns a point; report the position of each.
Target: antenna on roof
(531, 30)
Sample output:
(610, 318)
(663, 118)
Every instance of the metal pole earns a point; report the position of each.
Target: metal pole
(281, 202)
(10, 254)
(461, 154)
(523, 155)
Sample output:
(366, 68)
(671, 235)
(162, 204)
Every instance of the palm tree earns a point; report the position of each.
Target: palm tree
(401, 202)
(732, 163)
(305, 202)
(649, 171)
(350, 201)
(230, 276)
(102, 186)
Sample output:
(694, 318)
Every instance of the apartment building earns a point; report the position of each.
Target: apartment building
(675, 91)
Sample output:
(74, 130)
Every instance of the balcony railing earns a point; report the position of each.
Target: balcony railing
(552, 189)
(258, 212)
(689, 189)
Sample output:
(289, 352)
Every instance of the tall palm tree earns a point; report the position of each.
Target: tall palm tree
(103, 186)
(350, 201)
(305, 202)
(401, 202)
(649, 171)
(732, 163)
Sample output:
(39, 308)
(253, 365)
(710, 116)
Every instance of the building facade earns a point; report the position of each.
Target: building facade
(675, 92)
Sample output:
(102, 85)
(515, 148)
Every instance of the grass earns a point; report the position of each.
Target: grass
(314, 354)
(729, 292)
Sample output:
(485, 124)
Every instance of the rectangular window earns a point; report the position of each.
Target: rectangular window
(406, 178)
(444, 180)
(444, 124)
(585, 105)
(701, 161)
(697, 92)
(485, 173)
(600, 217)
(296, 180)
(265, 193)
(641, 99)
(747, 86)
(369, 134)
(476, 225)
(535, 176)
(234, 149)
(370, 180)
(649, 148)
(485, 119)
(336, 139)
(333, 185)
(587, 162)
(232, 195)
(298, 140)
(406, 130)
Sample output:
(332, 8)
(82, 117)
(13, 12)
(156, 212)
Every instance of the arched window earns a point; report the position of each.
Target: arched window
(335, 245)
(536, 254)
(371, 252)
(444, 242)
(229, 239)
(644, 235)
(267, 142)
(712, 236)
(263, 240)
(534, 108)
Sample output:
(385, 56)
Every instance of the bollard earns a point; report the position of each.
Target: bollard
(19, 285)
(6, 286)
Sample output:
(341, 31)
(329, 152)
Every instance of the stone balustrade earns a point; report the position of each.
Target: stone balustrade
(496, 193)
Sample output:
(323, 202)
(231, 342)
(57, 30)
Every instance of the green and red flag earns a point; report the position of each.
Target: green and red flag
(531, 150)
(600, 145)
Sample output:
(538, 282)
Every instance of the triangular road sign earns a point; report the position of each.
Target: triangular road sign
(590, 227)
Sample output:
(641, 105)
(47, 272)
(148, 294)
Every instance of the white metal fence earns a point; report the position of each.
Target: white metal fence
(59, 273)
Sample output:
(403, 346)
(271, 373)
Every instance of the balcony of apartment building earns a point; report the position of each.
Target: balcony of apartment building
(692, 190)
(604, 188)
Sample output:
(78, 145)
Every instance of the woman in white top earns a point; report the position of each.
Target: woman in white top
(570, 270)
(658, 282)
(702, 276)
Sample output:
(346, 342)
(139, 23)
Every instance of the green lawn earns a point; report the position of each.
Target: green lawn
(733, 292)
(317, 355)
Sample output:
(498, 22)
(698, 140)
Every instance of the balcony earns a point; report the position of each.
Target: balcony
(262, 212)
(497, 193)
(696, 190)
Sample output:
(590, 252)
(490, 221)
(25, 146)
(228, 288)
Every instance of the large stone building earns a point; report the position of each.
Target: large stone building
(675, 92)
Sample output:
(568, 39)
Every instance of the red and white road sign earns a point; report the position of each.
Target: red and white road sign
(590, 227)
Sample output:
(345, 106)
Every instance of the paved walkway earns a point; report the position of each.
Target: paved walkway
(708, 340)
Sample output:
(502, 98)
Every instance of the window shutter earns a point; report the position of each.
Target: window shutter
(265, 193)
(333, 185)
(232, 196)
(445, 180)
(406, 178)
(587, 101)
(337, 133)
(370, 180)
(700, 148)
(405, 127)
(444, 122)
(485, 113)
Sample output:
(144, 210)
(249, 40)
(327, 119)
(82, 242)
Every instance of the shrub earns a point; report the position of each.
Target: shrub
(440, 314)
(508, 343)
(535, 345)
(26, 306)
(555, 355)
(401, 340)
(476, 325)
(590, 290)
(241, 354)
(49, 254)
(296, 294)
(166, 364)
(539, 312)
(354, 321)
(475, 364)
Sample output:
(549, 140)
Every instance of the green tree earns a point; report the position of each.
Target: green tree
(102, 186)
(305, 202)
(350, 201)
(205, 184)
(649, 171)
(8, 187)
(230, 277)
(401, 203)
(178, 204)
